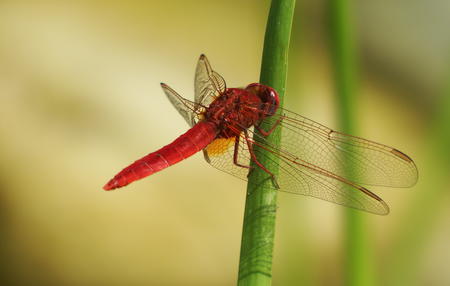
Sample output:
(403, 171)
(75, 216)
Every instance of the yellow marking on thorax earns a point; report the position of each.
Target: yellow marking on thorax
(219, 146)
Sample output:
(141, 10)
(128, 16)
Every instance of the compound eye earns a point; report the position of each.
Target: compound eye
(267, 95)
(272, 96)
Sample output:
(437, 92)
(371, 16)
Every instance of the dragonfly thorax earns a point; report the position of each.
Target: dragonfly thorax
(234, 111)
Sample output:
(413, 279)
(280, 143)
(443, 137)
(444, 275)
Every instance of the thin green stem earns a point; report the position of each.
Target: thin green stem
(255, 265)
(404, 256)
(359, 259)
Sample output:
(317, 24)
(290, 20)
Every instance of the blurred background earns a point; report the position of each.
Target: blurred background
(80, 100)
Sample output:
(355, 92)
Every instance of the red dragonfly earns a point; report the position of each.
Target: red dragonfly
(312, 160)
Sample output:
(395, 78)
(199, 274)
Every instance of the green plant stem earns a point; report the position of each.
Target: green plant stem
(358, 267)
(255, 265)
(405, 255)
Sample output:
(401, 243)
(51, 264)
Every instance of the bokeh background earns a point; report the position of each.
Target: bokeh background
(80, 99)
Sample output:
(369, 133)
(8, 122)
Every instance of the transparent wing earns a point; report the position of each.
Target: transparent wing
(293, 177)
(185, 107)
(220, 154)
(208, 84)
(371, 163)
(310, 180)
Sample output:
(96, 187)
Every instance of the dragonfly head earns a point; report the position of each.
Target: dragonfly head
(268, 96)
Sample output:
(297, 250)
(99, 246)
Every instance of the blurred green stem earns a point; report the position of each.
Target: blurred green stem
(404, 256)
(255, 265)
(359, 259)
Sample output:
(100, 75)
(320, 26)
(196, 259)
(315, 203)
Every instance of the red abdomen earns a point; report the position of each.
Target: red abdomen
(194, 140)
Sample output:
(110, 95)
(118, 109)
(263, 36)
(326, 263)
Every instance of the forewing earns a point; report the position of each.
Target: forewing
(368, 162)
(208, 84)
(185, 107)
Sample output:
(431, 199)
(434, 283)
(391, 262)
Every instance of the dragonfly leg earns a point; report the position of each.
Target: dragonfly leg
(267, 133)
(236, 153)
(252, 154)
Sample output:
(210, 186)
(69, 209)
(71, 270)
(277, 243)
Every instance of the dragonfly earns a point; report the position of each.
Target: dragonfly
(231, 127)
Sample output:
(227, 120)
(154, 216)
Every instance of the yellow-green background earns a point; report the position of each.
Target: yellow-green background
(80, 99)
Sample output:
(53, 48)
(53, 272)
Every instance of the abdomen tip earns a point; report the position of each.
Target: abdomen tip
(111, 185)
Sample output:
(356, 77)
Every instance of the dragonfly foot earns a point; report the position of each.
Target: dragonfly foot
(250, 170)
(275, 183)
